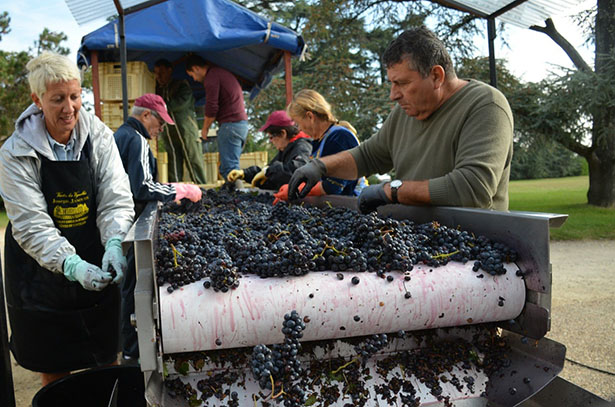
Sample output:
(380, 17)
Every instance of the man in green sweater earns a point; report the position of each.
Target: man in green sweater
(182, 142)
(449, 140)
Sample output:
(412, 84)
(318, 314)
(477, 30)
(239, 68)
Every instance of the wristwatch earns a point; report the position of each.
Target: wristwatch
(395, 185)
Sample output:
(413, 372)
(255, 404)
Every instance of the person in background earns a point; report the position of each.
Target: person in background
(294, 149)
(148, 118)
(449, 140)
(181, 141)
(313, 115)
(224, 104)
(69, 206)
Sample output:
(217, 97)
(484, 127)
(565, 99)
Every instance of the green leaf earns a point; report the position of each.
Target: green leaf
(183, 368)
(311, 400)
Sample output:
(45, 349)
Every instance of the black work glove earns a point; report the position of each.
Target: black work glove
(310, 173)
(372, 197)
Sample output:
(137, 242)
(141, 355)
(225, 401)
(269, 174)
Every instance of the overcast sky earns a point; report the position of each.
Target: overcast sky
(530, 56)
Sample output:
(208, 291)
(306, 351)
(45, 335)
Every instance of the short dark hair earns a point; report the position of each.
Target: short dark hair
(195, 60)
(291, 131)
(163, 62)
(421, 49)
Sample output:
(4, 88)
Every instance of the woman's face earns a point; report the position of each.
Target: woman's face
(279, 140)
(60, 104)
(307, 123)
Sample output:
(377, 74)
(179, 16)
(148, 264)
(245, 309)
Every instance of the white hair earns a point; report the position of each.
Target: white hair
(138, 111)
(50, 67)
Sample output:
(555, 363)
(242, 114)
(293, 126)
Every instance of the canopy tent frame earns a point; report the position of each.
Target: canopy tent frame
(272, 62)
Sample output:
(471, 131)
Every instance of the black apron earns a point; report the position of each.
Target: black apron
(57, 325)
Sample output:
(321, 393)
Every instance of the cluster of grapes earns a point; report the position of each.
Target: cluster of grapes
(281, 364)
(371, 345)
(228, 233)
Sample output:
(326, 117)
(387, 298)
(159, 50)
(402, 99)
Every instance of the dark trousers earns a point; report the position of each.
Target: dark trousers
(130, 346)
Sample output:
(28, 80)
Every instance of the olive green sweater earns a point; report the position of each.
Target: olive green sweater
(464, 149)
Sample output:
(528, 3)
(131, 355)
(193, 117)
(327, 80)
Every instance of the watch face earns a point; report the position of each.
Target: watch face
(396, 183)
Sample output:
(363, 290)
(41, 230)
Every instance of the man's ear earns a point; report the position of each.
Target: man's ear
(438, 75)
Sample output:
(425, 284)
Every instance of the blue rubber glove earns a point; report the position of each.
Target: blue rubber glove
(114, 257)
(372, 197)
(88, 275)
(310, 173)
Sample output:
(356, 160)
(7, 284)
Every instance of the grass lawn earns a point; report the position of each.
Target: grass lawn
(566, 196)
(552, 195)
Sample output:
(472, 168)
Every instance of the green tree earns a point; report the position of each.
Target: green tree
(581, 103)
(14, 87)
(535, 155)
(346, 39)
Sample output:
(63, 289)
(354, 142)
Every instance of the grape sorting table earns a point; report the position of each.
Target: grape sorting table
(203, 323)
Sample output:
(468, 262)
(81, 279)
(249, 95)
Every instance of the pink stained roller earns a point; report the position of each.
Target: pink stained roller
(195, 318)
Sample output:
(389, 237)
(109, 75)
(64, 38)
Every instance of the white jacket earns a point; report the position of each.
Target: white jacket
(20, 186)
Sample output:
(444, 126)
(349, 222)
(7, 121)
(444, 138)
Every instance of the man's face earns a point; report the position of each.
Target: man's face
(163, 74)
(197, 73)
(153, 123)
(415, 94)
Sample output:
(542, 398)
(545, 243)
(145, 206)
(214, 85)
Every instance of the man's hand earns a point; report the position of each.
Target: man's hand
(114, 257)
(204, 132)
(372, 197)
(310, 173)
(235, 175)
(88, 275)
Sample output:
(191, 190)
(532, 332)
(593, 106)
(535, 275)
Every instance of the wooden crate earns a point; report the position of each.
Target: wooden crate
(211, 167)
(255, 158)
(112, 113)
(139, 80)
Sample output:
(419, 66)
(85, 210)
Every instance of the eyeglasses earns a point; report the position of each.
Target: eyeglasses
(161, 122)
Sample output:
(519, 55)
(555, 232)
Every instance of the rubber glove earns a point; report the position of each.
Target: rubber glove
(282, 194)
(189, 191)
(114, 257)
(310, 173)
(372, 197)
(260, 178)
(234, 175)
(88, 275)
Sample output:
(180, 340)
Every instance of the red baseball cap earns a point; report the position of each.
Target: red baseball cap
(155, 103)
(278, 118)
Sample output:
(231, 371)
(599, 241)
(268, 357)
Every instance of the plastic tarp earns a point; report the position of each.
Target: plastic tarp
(221, 31)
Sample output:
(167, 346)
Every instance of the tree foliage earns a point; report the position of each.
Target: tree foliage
(14, 87)
(345, 40)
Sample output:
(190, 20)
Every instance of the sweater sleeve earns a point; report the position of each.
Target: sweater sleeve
(373, 155)
(484, 153)
(142, 183)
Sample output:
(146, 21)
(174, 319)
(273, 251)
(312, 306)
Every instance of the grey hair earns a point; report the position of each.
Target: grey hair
(50, 67)
(138, 110)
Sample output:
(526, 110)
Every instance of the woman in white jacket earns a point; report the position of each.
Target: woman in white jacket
(69, 204)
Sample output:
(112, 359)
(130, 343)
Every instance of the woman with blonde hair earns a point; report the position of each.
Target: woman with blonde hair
(69, 206)
(314, 116)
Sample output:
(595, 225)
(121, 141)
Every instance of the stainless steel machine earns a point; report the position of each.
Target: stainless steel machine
(194, 334)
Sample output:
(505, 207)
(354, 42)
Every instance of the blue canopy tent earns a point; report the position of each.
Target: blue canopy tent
(220, 31)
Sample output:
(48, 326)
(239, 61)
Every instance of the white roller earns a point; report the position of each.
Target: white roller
(194, 318)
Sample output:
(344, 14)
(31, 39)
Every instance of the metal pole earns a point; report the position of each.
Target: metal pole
(7, 391)
(123, 58)
(491, 37)
(96, 84)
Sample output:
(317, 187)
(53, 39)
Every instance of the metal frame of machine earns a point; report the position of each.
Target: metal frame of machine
(526, 232)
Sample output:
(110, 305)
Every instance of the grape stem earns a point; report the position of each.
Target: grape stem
(345, 365)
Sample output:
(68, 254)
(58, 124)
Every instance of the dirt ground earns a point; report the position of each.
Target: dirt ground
(583, 318)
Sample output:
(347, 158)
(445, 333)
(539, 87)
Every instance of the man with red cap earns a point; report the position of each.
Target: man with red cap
(148, 117)
(294, 149)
